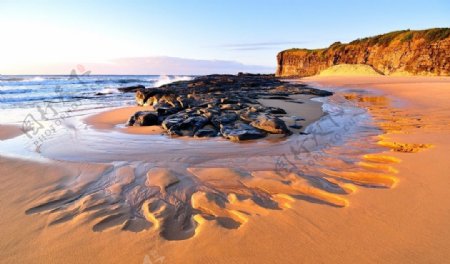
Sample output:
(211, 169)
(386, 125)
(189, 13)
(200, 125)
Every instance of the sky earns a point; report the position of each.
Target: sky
(44, 37)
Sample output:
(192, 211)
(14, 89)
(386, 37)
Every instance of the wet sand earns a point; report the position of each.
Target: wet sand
(10, 131)
(115, 120)
(335, 215)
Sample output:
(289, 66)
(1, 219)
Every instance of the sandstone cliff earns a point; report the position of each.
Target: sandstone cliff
(419, 52)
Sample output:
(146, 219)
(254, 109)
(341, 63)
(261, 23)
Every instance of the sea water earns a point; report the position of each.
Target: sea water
(22, 96)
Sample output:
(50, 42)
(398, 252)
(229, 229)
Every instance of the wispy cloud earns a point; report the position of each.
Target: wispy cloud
(260, 45)
(150, 65)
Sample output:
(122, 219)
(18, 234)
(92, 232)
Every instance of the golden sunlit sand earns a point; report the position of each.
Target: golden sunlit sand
(349, 70)
(384, 198)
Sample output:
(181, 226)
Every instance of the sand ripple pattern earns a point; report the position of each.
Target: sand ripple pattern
(180, 197)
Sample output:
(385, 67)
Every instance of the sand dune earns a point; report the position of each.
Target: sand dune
(349, 70)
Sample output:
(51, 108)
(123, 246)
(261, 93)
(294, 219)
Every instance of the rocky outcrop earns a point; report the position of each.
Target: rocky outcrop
(424, 52)
(225, 105)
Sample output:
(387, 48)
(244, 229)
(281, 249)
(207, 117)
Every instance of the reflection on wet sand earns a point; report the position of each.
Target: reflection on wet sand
(174, 186)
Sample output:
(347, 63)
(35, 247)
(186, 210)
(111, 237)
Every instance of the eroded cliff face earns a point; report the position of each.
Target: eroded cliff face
(425, 52)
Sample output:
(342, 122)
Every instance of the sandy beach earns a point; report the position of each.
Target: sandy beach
(229, 132)
(9, 131)
(385, 200)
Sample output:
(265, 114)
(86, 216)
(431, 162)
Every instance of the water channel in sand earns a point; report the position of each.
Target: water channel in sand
(173, 185)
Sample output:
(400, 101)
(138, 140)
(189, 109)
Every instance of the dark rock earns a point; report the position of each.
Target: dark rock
(184, 124)
(270, 124)
(298, 118)
(172, 120)
(206, 132)
(194, 123)
(257, 108)
(144, 118)
(240, 131)
(248, 116)
(209, 112)
(296, 126)
(230, 107)
(320, 92)
(248, 100)
(174, 131)
(166, 109)
(280, 97)
(187, 102)
(224, 119)
(227, 103)
(275, 110)
(130, 89)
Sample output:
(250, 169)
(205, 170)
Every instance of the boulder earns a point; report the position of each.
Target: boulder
(184, 124)
(144, 118)
(241, 131)
(209, 112)
(153, 100)
(224, 119)
(206, 132)
(194, 123)
(186, 102)
(165, 109)
(270, 124)
(248, 116)
(140, 98)
(172, 120)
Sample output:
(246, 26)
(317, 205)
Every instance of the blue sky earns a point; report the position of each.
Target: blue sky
(41, 33)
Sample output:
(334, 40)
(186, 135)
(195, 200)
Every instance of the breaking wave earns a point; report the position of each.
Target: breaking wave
(165, 79)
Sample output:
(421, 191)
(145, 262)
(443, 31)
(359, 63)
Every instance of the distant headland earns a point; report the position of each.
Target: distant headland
(405, 52)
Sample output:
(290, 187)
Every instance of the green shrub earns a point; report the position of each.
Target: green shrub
(407, 37)
(336, 44)
(437, 34)
(385, 40)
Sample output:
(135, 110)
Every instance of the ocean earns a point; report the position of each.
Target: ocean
(25, 95)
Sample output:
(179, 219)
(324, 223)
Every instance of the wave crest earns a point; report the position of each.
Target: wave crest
(166, 79)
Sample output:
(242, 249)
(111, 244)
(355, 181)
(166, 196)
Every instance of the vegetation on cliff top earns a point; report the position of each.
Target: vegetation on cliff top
(430, 35)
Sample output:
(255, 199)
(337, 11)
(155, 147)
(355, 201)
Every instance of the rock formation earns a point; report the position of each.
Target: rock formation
(214, 105)
(407, 52)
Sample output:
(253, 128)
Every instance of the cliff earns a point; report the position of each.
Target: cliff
(406, 52)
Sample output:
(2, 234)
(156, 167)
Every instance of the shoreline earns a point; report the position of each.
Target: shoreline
(387, 224)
